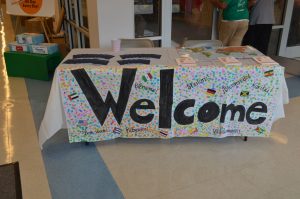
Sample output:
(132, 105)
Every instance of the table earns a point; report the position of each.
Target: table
(176, 101)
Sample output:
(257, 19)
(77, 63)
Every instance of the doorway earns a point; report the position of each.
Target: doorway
(148, 20)
(191, 19)
(290, 43)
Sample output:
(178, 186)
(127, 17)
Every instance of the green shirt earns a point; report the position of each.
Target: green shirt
(235, 10)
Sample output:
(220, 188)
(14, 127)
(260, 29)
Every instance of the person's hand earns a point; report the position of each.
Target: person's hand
(251, 3)
(219, 4)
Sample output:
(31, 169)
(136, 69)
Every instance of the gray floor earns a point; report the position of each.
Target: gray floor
(66, 164)
(74, 171)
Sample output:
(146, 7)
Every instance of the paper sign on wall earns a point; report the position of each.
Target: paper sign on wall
(39, 8)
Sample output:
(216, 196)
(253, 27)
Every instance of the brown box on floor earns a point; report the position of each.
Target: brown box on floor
(61, 41)
(34, 25)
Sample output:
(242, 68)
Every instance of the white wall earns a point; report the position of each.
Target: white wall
(115, 20)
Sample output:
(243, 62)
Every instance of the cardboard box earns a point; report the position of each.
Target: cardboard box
(62, 43)
(34, 25)
(30, 38)
(45, 48)
(15, 46)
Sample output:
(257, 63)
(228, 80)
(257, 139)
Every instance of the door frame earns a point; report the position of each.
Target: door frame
(284, 50)
(166, 23)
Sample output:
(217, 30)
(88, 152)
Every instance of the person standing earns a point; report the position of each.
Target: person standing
(260, 25)
(235, 20)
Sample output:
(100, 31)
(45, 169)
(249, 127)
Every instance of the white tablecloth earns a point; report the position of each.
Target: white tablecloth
(54, 118)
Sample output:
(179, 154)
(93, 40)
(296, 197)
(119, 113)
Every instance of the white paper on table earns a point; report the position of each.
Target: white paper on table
(264, 60)
(230, 61)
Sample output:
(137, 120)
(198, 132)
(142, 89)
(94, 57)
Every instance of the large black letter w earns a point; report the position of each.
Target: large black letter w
(96, 102)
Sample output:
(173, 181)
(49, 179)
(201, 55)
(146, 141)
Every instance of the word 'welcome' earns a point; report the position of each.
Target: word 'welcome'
(207, 112)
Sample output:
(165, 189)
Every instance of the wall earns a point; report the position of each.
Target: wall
(115, 20)
(92, 7)
(56, 14)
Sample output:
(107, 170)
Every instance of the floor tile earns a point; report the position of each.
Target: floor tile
(288, 192)
(209, 190)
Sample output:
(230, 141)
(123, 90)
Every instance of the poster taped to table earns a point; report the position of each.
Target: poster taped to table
(37, 8)
(103, 103)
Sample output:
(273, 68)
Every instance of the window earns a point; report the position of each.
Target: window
(76, 23)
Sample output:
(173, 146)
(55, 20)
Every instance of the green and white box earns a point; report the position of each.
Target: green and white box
(45, 48)
(15, 46)
(30, 38)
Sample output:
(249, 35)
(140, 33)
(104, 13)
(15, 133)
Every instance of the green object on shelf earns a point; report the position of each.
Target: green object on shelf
(29, 65)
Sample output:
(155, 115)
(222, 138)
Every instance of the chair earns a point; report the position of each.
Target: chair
(202, 43)
(137, 43)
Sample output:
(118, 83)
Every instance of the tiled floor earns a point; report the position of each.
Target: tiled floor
(210, 168)
(18, 140)
(262, 168)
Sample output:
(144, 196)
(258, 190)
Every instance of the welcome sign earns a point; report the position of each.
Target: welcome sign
(104, 103)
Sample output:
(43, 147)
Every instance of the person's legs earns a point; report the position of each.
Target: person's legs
(263, 37)
(242, 27)
(249, 37)
(226, 30)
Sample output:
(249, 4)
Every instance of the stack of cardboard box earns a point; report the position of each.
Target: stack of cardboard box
(31, 58)
(33, 43)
